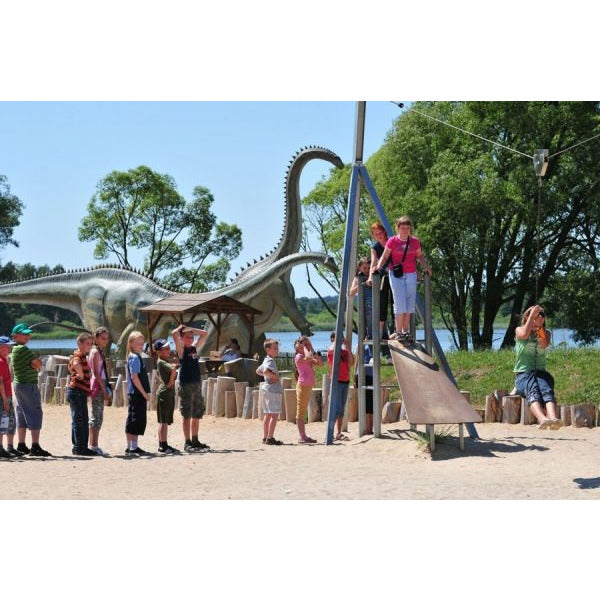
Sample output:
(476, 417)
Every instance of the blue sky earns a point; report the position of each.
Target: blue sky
(54, 154)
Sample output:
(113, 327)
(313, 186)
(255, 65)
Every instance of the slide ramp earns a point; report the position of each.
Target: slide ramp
(430, 398)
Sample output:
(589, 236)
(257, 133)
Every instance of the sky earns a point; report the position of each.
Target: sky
(54, 154)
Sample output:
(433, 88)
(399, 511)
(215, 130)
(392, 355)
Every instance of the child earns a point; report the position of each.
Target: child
(191, 402)
(138, 390)
(346, 361)
(100, 387)
(78, 391)
(272, 392)
(305, 360)
(165, 394)
(27, 394)
(7, 412)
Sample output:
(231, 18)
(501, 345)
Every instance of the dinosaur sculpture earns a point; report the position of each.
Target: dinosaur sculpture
(112, 296)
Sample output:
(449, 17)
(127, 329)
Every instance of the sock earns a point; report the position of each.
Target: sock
(194, 438)
(35, 445)
(133, 445)
(163, 444)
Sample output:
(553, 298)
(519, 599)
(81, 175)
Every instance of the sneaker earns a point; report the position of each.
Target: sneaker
(14, 452)
(198, 445)
(39, 451)
(273, 442)
(139, 452)
(97, 450)
(4, 453)
(22, 448)
(166, 450)
(189, 447)
(84, 452)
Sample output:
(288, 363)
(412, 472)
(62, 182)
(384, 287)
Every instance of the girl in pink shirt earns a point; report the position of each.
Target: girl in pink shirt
(305, 360)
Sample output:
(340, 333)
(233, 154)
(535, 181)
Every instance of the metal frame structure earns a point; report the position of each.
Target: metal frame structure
(344, 311)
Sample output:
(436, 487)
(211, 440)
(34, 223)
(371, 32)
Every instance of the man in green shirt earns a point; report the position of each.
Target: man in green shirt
(29, 403)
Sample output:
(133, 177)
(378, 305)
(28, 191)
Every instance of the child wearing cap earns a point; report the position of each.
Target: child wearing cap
(29, 403)
(165, 394)
(7, 411)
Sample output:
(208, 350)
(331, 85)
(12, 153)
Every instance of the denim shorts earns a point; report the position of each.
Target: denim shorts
(29, 406)
(535, 386)
(8, 418)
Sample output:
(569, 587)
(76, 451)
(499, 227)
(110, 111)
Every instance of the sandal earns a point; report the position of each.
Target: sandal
(340, 437)
(307, 440)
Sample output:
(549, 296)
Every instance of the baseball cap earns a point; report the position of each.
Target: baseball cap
(22, 328)
(160, 344)
(6, 341)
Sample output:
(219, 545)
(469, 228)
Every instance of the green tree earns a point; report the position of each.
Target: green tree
(493, 236)
(142, 209)
(11, 209)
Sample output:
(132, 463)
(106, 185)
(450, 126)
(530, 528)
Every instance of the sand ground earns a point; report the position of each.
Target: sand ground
(508, 462)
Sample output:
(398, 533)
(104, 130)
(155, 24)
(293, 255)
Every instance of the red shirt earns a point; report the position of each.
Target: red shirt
(5, 374)
(344, 375)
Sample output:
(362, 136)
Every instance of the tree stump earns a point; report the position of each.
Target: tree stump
(315, 405)
(255, 402)
(224, 384)
(211, 382)
(247, 410)
(352, 405)
(493, 409)
(527, 417)
(583, 415)
(391, 412)
(289, 399)
(240, 396)
(466, 395)
(565, 415)
(511, 409)
(230, 404)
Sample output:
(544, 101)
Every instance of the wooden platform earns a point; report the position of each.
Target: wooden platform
(430, 398)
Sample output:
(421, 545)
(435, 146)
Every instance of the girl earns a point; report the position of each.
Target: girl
(138, 389)
(101, 390)
(305, 360)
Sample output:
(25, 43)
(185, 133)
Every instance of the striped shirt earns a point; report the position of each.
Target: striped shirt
(79, 358)
(21, 358)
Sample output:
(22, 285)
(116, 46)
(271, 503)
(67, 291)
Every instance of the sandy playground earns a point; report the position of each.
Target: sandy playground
(508, 462)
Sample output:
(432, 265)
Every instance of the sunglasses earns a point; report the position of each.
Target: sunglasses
(542, 314)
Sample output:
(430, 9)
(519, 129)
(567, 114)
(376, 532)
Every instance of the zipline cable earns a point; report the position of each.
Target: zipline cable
(574, 146)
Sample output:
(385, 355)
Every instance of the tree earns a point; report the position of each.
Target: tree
(492, 234)
(142, 209)
(11, 209)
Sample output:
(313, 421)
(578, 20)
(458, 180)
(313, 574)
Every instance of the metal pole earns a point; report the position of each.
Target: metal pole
(428, 317)
(360, 358)
(375, 304)
(359, 131)
(335, 398)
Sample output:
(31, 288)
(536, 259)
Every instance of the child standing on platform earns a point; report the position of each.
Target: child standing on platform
(138, 390)
(165, 395)
(272, 392)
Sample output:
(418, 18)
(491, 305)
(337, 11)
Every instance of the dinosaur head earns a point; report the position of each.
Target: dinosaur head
(330, 264)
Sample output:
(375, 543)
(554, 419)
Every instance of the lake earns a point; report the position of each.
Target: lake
(321, 340)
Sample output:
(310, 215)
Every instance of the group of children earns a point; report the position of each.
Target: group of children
(88, 378)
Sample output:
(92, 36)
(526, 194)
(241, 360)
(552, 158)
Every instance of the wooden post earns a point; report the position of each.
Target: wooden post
(466, 395)
(240, 396)
(211, 382)
(289, 399)
(286, 383)
(583, 415)
(511, 409)
(527, 417)
(390, 412)
(565, 415)
(255, 402)
(154, 383)
(314, 405)
(118, 392)
(326, 389)
(352, 405)
(230, 404)
(224, 384)
(247, 410)
(49, 391)
(493, 409)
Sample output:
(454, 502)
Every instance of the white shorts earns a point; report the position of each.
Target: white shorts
(404, 291)
(271, 402)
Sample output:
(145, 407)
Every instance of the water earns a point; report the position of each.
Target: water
(321, 341)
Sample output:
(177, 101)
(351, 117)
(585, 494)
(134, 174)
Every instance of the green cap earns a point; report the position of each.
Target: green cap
(21, 328)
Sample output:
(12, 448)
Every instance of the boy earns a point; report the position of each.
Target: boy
(7, 412)
(78, 391)
(165, 394)
(29, 403)
(346, 361)
(191, 403)
(272, 392)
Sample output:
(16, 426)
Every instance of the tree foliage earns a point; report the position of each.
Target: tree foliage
(493, 236)
(11, 209)
(142, 209)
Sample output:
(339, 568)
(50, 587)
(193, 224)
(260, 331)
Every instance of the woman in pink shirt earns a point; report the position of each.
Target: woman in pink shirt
(305, 360)
(405, 252)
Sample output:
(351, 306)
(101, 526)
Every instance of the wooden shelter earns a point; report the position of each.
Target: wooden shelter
(185, 307)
